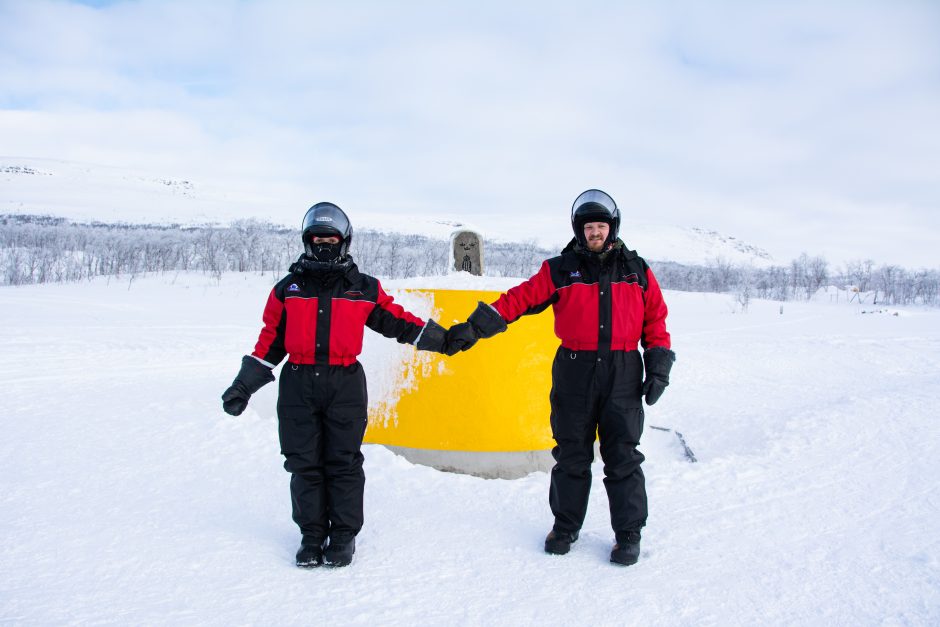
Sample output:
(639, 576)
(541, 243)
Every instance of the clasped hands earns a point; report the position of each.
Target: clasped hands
(484, 322)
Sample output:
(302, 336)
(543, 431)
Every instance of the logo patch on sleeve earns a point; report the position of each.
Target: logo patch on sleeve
(575, 275)
(631, 278)
(353, 293)
(293, 287)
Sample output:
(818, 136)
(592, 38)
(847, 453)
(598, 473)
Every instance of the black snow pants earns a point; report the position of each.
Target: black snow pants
(597, 396)
(322, 416)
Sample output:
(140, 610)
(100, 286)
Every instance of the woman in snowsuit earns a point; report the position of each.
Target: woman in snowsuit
(316, 316)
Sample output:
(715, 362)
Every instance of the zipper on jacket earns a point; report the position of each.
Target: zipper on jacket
(322, 339)
(604, 313)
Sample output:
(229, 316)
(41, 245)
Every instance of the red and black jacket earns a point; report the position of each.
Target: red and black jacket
(614, 304)
(316, 318)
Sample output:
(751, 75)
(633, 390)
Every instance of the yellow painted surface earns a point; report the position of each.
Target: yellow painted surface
(493, 397)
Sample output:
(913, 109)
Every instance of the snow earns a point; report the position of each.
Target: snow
(129, 497)
(454, 281)
(88, 192)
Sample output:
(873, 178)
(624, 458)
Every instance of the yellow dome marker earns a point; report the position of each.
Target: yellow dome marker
(492, 399)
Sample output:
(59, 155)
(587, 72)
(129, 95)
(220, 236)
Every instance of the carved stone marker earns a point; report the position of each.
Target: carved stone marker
(467, 247)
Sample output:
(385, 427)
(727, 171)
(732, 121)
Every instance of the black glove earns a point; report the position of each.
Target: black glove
(431, 338)
(658, 362)
(486, 321)
(459, 337)
(251, 378)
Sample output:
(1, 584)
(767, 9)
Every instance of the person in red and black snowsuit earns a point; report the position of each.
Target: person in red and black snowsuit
(606, 302)
(316, 316)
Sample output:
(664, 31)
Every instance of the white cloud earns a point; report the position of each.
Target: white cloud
(778, 123)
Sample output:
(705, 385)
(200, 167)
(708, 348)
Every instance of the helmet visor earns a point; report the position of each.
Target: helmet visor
(594, 201)
(326, 219)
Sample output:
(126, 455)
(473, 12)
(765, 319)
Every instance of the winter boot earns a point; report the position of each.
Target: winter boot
(559, 542)
(627, 549)
(339, 552)
(310, 554)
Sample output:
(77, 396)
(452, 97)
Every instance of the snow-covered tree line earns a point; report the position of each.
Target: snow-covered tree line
(42, 249)
(861, 280)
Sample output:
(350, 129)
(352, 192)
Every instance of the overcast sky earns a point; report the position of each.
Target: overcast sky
(795, 126)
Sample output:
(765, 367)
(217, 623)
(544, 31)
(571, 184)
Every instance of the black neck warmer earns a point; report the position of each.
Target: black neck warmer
(323, 271)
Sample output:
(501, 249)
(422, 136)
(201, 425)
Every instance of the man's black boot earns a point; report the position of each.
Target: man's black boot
(627, 550)
(339, 552)
(310, 554)
(559, 542)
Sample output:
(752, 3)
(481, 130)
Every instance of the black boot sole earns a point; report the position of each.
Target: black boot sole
(557, 548)
(309, 562)
(624, 562)
(308, 565)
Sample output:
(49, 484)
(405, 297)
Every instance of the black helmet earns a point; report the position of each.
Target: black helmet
(325, 219)
(594, 206)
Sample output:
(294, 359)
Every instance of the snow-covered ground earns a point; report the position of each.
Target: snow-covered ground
(90, 192)
(128, 497)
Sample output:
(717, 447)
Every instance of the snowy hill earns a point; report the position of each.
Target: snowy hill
(129, 497)
(88, 192)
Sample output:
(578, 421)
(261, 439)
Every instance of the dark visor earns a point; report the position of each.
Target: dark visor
(326, 218)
